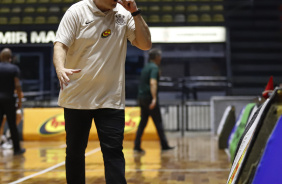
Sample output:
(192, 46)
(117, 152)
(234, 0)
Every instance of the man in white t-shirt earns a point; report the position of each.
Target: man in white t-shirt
(89, 57)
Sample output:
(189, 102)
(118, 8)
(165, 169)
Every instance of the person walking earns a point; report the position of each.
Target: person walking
(149, 102)
(89, 58)
(9, 81)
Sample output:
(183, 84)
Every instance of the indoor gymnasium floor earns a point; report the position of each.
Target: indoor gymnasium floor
(195, 160)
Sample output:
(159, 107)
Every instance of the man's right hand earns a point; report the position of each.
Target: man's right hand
(63, 75)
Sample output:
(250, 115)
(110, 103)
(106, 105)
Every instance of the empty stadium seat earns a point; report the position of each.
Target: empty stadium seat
(167, 18)
(192, 18)
(4, 10)
(65, 8)
(205, 8)
(56, 1)
(40, 20)
(41, 9)
(68, 1)
(154, 8)
(3, 20)
(205, 18)
(192, 8)
(52, 20)
(31, 1)
(179, 8)
(16, 10)
(54, 9)
(15, 20)
(7, 1)
(43, 1)
(217, 8)
(179, 18)
(27, 20)
(154, 18)
(167, 8)
(19, 1)
(218, 18)
(29, 10)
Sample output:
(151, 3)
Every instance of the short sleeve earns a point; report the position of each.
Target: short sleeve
(130, 30)
(17, 72)
(154, 73)
(67, 29)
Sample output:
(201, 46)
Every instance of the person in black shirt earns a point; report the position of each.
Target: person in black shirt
(9, 81)
(148, 100)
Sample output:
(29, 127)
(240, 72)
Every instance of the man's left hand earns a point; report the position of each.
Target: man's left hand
(153, 104)
(129, 5)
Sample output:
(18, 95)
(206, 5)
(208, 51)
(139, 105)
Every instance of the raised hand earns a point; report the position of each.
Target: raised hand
(129, 5)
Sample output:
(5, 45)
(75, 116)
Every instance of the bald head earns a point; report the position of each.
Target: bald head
(6, 55)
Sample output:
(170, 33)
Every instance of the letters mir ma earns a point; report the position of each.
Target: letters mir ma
(22, 37)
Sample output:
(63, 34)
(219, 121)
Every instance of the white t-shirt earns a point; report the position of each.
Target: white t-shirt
(97, 44)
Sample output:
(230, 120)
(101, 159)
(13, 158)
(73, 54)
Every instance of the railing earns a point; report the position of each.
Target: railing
(197, 116)
(190, 116)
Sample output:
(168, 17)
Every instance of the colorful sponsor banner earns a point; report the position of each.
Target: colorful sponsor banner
(244, 146)
(269, 168)
(49, 124)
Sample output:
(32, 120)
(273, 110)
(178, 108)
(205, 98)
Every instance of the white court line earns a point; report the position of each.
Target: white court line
(51, 168)
(144, 170)
(169, 170)
(63, 146)
(179, 170)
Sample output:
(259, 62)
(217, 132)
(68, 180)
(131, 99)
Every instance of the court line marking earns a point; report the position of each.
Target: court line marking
(52, 167)
(170, 170)
(63, 146)
(143, 170)
(179, 170)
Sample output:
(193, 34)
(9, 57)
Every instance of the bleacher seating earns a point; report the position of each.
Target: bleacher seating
(15, 20)
(16, 10)
(156, 12)
(27, 20)
(167, 18)
(3, 20)
(40, 20)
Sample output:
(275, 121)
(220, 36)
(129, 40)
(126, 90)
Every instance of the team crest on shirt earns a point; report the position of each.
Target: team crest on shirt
(106, 33)
(120, 19)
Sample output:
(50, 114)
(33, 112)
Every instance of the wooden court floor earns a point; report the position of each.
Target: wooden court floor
(195, 160)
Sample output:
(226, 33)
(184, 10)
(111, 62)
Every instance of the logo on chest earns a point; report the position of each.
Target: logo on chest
(120, 19)
(106, 33)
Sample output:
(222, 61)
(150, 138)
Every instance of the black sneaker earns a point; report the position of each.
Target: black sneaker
(167, 149)
(19, 152)
(139, 151)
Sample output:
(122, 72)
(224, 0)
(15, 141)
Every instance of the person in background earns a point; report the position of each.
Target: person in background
(149, 102)
(9, 81)
(6, 139)
(89, 57)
